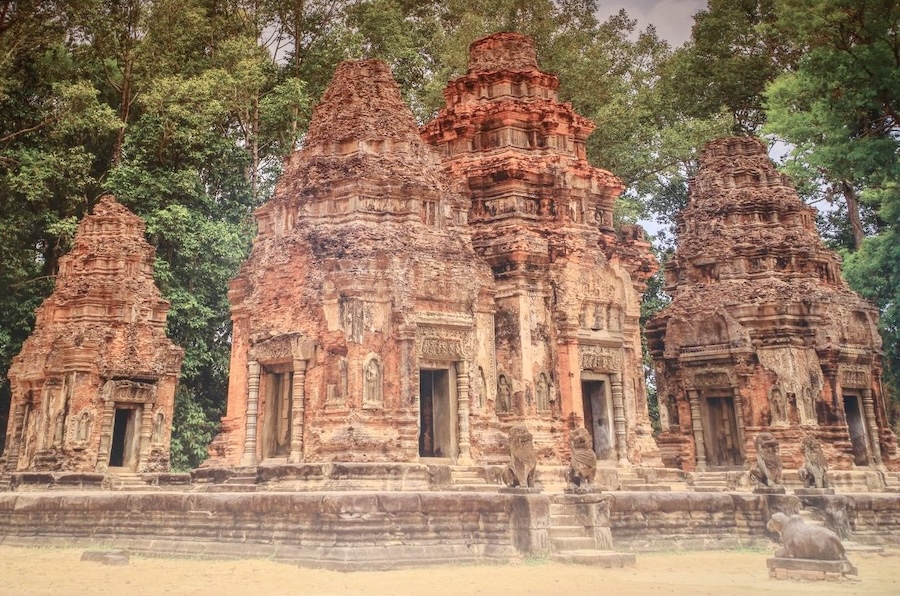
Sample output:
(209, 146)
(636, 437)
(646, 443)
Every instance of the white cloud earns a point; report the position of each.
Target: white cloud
(673, 19)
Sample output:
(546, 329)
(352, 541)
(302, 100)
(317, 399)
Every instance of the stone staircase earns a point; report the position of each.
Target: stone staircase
(573, 542)
(651, 479)
(128, 481)
(891, 482)
(717, 481)
(470, 479)
(244, 480)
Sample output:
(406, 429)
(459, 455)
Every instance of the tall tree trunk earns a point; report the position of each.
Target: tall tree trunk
(853, 212)
(124, 110)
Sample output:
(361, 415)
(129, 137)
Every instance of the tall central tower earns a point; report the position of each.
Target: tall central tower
(567, 337)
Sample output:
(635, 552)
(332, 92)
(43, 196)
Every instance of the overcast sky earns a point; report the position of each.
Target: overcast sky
(672, 18)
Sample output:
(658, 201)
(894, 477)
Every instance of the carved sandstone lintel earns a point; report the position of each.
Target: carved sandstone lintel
(600, 358)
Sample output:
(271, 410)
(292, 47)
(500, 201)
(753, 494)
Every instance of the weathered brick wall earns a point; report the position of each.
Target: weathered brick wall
(329, 527)
(696, 521)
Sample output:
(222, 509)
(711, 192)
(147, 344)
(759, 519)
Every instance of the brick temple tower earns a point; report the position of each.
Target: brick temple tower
(362, 309)
(568, 350)
(762, 333)
(94, 385)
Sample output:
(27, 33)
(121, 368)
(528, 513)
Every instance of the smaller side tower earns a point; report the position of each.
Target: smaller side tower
(94, 385)
(763, 334)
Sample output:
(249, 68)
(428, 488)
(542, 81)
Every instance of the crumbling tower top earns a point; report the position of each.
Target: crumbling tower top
(502, 51)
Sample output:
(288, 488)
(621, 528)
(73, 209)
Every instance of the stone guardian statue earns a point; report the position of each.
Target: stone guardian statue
(522, 459)
(767, 472)
(583, 469)
(814, 465)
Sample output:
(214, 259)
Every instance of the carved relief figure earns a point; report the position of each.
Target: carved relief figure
(768, 461)
(583, 469)
(83, 427)
(814, 465)
(672, 411)
(805, 541)
(159, 425)
(503, 394)
(778, 406)
(522, 459)
(478, 396)
(807, 407)
(543, 393)
(372, 388)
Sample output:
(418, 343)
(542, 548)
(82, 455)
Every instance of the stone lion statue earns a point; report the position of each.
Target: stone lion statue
(584, 461)
(522, 458)
(768, 461)
(804, 541)
(814, 465)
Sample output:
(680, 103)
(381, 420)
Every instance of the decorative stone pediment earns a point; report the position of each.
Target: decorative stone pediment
(283, 348)
(440, 343)
(600, 358)
(126, 391)
(855, 375)
(711, 377)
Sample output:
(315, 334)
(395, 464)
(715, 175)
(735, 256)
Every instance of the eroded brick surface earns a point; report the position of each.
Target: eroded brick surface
(94, 384)
(397, 307)
(763, 334)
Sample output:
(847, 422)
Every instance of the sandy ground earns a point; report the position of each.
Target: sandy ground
(60, 572)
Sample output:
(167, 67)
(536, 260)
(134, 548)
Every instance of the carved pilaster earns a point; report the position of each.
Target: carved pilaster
(697, 425)
(462, 411)
(739, 412)
(298, 399)
(146, 436)
(14, 438)
(106, 422)
(249, 457)
(869, 408)
(618, 400)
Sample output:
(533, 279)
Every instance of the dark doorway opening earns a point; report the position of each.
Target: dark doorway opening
(435, 414)
(597, 418)
(722, 444)
(125, 438)
(277, 423)
(857, 427)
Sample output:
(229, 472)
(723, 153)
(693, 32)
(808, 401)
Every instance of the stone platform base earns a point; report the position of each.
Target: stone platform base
(595, 558)
(813, 492)
(810, 570)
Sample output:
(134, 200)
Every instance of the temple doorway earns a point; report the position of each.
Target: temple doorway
(722, 444)
(857, 428)
(435, 414)
(277, 423)
(126, 438)
(598, 416)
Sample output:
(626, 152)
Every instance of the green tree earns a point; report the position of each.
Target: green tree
(839, 111)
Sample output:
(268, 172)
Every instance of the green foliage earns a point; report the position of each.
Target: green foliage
(193, 427)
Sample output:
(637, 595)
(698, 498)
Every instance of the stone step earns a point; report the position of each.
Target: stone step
(229, 488)
(645, 487)
(561, 519)
(595, 558)
(468, 480)
(567, 531)
(810, 518)
(566, 543)
(472, 488)
(240, 480)
(856, 547)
